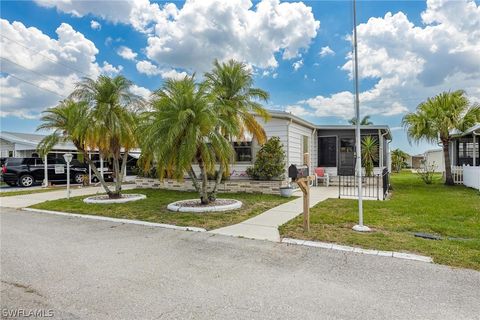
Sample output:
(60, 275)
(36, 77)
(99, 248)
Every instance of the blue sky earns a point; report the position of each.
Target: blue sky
(299, 51)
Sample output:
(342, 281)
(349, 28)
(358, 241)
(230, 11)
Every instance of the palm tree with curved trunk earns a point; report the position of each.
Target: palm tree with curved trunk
(112, 120)
(181, 129)
(70, 122)
(237, 103)
(437, 117)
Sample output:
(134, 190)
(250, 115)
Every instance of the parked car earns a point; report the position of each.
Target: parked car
(25, 172)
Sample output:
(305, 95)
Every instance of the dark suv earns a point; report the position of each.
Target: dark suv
(25, 172)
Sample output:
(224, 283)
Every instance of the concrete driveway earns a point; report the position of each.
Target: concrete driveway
(85, 269)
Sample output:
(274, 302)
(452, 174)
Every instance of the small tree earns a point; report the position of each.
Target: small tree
(427, 172)
(399, 159)
(436, 117)
(270, 161)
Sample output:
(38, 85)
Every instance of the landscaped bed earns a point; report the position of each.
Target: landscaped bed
(450, 212)
(154, 208)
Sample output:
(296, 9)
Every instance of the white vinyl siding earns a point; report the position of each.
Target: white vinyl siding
(295, 150)
(6, 147)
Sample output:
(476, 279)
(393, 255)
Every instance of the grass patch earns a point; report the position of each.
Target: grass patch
(154, 208)
(27, 191)
(451, 212)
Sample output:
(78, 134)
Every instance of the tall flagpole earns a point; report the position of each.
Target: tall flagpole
(358, 145)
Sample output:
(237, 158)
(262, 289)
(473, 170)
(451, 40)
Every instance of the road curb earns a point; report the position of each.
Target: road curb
(333, 246)
(126, 221)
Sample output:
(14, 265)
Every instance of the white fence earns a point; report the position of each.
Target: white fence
(457, 174)
(471, 177)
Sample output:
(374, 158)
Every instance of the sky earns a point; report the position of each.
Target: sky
(300, 52)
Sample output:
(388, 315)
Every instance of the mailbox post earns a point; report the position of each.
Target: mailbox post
(68, 158)
(299, 174)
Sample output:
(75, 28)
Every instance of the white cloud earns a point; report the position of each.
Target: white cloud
(141, 91)
(95, 25)
(148, 68)
(127, 53)
(411, 63)
(326, 51)
(192, 37)
(110, 70)
(38, 71)
(298, 111)
(297, 64)
(204, 30)
(141, 14)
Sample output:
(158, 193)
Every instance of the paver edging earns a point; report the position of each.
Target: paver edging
(127, 221)
(333, 246)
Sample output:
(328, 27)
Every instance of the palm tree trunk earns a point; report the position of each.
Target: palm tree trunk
(203, 190)
(193, 176)
(123, 168)
(96, 172)
(448, 165)
(218, 180)
(118, 179)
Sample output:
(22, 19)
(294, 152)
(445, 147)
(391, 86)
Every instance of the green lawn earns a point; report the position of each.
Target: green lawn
(451, 212)
(28, 191)
(154, 208)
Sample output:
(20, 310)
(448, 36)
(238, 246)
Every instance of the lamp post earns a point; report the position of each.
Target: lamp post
(68, 158)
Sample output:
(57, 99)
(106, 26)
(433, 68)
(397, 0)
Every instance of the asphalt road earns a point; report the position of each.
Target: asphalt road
(84, 269)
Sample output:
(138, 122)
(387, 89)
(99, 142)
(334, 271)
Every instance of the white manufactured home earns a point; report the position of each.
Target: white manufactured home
(329, 147)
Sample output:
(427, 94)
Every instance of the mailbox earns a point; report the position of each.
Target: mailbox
(297, 172)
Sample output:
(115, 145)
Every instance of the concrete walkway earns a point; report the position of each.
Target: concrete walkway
(27, 200)
(265, 225)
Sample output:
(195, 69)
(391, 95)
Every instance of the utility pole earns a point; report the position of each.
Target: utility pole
(358, 145)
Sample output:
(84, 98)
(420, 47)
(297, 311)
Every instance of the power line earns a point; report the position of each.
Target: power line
(46, 57)
(33, 71)
(33, 84)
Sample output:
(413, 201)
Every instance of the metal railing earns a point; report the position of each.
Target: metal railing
(373, 187)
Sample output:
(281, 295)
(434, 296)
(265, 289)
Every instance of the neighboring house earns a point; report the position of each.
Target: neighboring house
(16, 144)
(465, 147)
(329, 146)
(409, 161)
(417, 161)
(435, 158)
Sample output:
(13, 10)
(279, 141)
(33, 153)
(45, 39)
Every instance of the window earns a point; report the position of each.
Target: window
(243, 151)
(327, 151)
(465, 151)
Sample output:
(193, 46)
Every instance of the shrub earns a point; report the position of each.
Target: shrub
(270, 161)
(427, 172)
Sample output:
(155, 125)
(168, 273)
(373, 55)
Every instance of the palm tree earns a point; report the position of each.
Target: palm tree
(365, 121)
(398, 159)
(369, 154)
(236, 102)
(182, 129)
(70, 121)
(436, 117)
(112, 120)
